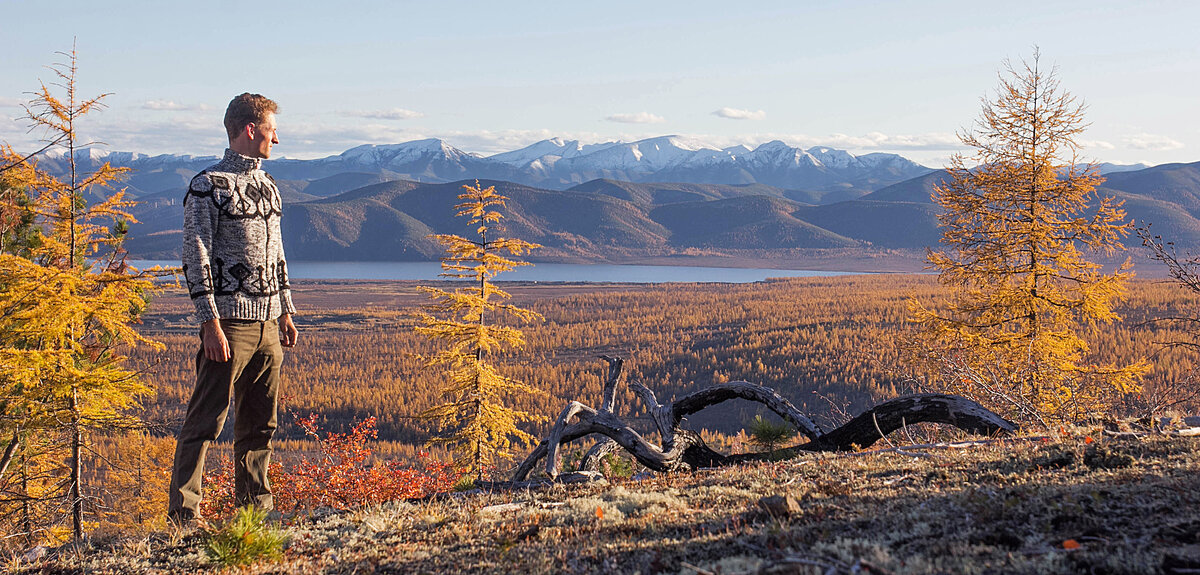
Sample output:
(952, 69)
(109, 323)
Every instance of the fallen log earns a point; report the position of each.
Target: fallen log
(683, 449)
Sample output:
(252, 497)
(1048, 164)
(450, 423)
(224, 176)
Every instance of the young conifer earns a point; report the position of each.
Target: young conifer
(1015, 229)
(474, 422)
(68, 303)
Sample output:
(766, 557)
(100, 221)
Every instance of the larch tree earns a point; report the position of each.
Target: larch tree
(68, 302)
(474, 421)
(1018, 229)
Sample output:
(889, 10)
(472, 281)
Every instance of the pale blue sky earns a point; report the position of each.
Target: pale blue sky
(492, 76)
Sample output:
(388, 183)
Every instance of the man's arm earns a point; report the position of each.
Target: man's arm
(287, 329)
(200, 217)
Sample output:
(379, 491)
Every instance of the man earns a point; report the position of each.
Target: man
(237, 277)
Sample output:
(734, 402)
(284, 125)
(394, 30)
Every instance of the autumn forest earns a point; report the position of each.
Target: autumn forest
(832, 345)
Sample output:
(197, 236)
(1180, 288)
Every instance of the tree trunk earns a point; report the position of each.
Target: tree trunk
(682, 448)
(76, 492)
(9, 451)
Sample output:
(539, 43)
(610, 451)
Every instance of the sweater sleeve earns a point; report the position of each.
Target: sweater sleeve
(200, 216)
(285, 289)
(281, 267)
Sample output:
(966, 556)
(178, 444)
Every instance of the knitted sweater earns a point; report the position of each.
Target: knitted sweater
(232, 249)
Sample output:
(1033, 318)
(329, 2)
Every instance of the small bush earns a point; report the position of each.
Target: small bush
(464, 483)
(616, 467)
(245, 539)
(770, 435)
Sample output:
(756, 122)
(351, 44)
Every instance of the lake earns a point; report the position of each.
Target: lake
(536, 273)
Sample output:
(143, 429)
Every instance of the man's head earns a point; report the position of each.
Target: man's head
(250, 122)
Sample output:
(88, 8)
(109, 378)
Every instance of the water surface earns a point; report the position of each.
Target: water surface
(541, 272)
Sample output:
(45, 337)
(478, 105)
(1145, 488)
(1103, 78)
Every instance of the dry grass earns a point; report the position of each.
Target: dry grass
(1015, 506)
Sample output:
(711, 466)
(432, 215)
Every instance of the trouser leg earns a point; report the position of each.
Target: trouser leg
(256, 401)
(206, 413)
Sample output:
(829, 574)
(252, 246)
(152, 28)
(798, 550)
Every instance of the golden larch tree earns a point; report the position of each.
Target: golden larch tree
(1015, 229)
(67, 308)
(474, 421)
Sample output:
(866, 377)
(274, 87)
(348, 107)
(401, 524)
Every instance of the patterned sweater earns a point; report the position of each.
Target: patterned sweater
(232, 250)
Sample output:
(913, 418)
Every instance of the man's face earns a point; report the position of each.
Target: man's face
(264, 137)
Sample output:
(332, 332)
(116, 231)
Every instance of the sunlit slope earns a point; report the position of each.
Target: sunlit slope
(904, 225)
(754, 222)
(390, 221)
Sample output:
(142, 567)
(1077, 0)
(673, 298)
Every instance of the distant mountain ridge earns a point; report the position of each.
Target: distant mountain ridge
(554, 164)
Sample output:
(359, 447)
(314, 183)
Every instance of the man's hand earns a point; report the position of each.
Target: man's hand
(216, 347)
(287, 331)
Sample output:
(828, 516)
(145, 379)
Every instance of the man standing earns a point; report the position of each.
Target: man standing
(237, 277)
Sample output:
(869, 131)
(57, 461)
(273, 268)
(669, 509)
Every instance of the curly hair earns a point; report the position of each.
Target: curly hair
(246, 109)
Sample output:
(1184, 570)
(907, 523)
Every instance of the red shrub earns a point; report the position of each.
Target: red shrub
(345, 475)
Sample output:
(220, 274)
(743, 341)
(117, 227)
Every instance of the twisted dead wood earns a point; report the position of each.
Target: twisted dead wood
(682, 448)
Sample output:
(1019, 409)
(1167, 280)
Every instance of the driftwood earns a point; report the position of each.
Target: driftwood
(682, 449)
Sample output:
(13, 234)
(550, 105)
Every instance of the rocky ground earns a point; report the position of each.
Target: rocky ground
(1085, 502)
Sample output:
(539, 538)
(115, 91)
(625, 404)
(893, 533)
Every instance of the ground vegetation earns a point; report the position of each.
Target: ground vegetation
(1085, 501)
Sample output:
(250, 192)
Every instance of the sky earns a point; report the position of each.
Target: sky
(899, 77)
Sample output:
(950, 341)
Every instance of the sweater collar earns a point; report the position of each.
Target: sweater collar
(235, 162)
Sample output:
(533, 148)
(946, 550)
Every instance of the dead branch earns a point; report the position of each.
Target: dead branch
(681, 448)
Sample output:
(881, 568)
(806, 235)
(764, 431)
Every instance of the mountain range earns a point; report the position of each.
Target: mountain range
(653, 198)
(551, 164)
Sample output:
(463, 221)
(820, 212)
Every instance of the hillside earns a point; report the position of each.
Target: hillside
(607, 220)
(1166, 196)
(751, 222)
(674, 193)
(1079, 503)
(906, 225)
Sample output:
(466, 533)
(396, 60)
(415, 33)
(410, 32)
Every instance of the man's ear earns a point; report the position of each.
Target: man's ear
(248, 130)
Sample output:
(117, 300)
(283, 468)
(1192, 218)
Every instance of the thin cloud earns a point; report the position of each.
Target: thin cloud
(1096, 145)
(736, 114)
(393, 114)
(1152, 142)
(173, 106)
(927, 141)
(870, 142)
(638, 118)
(11, 103)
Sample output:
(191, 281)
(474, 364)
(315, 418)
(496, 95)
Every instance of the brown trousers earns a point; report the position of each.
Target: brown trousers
(251, 377)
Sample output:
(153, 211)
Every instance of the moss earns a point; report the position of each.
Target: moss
(1098, 457)
(1055, 457)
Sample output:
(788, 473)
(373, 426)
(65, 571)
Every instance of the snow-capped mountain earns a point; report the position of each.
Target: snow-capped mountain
(372, 155)
(557, 164)
(552, 150)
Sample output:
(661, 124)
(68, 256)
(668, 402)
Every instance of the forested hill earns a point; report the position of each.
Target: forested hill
(611, 220)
